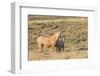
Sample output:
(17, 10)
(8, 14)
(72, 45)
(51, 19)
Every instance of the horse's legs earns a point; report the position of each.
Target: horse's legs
(63, 49)
(53, 48)
(56, 49)
(44, 48)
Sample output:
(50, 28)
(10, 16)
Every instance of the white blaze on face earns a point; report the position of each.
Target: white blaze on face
(57, 34)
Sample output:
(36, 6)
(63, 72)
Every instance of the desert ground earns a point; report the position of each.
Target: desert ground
(74, 29)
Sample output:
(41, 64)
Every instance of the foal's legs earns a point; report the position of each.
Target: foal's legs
(59, 49)
(63, 49)
(56, 49)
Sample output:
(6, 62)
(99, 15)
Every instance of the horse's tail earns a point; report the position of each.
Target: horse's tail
(39, 42)
(38, 39)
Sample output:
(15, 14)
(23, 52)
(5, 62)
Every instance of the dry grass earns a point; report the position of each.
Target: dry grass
(74, 29)
(57, 55)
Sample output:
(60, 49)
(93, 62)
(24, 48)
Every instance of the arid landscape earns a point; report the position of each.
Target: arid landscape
(73, 29)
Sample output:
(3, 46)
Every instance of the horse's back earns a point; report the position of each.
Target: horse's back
(43, 40)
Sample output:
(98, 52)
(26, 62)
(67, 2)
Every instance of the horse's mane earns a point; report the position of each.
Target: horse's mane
(53, 35)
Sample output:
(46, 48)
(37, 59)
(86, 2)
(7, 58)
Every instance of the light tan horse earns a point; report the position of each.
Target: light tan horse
(44, 42)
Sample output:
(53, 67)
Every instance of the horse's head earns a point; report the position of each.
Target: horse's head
(58, 34)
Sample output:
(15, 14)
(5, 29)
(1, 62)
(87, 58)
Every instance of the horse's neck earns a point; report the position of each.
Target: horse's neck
(54, 37)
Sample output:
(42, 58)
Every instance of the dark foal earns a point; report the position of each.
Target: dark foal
(60, 45)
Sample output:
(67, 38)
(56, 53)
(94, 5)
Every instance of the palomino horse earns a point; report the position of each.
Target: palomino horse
(44, 42)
